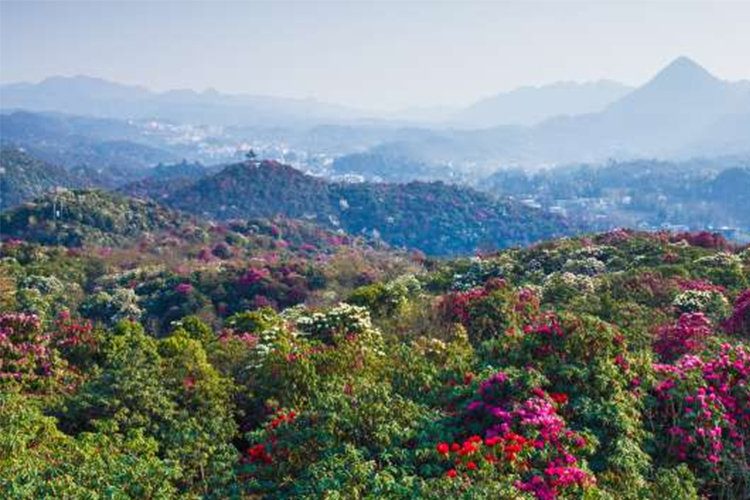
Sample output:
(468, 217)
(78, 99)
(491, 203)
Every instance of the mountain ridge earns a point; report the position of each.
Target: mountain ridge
(532, 104)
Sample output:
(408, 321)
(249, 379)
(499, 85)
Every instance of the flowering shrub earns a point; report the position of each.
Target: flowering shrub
(703, 239)
(253, 276)
(262, 453)
(76, 340)
(340, 321)
(44, 296)
(724, 269)
(389, 298)
(688, 336)
(565, 286)
(111, 308)
(520, 433)
(709, 302)
(479, 271)
(588, 266)
(184, 288)
(739, 322)
(703, 413)
(484, 312)
(27, 357)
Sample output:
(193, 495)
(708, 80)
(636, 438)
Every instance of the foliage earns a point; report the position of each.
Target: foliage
(438, 218)
(87, 217)
(234, 366)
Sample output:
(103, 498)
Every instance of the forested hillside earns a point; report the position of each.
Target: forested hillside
(436, 218)
(277, 360)
(25, 177)
(88, 217)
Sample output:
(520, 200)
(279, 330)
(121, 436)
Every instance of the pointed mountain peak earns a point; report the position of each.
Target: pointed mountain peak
(682, 71)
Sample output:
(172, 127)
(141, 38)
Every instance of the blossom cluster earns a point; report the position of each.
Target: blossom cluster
(25, 352)
(739, 322)
(344, 319)
(253, 276)
(521, 427)
(704, 406)
(474, 451)
(479, 271)
(719, 260)
(262, 453)
(69, 333)
(588, 266)
(575, 283)
(687, 336)
(458, 305)
(703, 239)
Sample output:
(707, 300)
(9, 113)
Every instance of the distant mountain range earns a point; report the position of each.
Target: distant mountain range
(84, 95)
(680, 106)
(683, 112)
(531, 105)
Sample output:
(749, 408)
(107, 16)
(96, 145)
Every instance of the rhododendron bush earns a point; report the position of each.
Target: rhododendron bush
(27, 354)
(703, 407)
(521, 431)
(739, 322)
(267, 360)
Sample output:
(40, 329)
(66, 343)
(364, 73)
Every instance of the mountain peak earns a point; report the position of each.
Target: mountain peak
(684, 70)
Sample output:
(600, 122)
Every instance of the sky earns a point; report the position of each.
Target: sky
(383, 55)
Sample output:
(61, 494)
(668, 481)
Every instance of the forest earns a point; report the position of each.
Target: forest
(275, 359)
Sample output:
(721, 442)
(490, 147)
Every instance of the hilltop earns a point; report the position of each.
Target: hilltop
(25, 177)
(438, 218)
(81, 217)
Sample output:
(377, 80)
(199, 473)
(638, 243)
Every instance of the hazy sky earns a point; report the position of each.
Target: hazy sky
(380, 55)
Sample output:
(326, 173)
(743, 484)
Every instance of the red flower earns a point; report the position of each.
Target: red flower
(513, 448)
(471, 466)
(259, 454)
(442, 448)
(560, 398)
(451, 473)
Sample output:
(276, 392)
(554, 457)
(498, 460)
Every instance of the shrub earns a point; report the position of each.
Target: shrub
(739, 322)
(687, 336)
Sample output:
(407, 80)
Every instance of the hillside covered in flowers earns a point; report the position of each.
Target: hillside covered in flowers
(272, 359)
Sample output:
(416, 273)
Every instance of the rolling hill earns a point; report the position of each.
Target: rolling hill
(25, 177)
(83, 217)
(437, 218)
